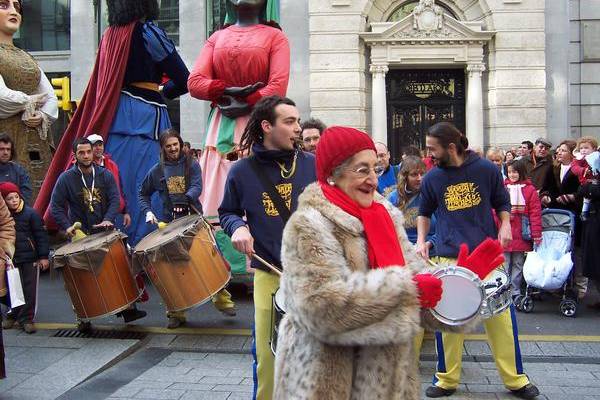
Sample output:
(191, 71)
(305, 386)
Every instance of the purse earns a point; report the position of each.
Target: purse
(525, 228)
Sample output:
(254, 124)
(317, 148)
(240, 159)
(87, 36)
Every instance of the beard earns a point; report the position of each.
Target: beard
(443, 161)
(84, 164)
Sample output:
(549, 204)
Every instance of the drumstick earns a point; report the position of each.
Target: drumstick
(432, 263)
(273, 268)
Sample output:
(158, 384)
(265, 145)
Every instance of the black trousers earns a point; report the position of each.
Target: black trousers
(2, 370)
(25, 313)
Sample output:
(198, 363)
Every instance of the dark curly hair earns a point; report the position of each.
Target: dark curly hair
(123, 12)
(264, 110)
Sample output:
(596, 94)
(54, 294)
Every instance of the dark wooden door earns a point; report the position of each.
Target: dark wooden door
(417, 99)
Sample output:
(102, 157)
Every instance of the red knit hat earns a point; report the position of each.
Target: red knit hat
(8, 187)
(337, 144)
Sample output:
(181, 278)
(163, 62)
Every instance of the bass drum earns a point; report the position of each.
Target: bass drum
(97, 275)
(183, 262)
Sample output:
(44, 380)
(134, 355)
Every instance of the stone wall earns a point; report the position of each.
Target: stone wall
(584, 71)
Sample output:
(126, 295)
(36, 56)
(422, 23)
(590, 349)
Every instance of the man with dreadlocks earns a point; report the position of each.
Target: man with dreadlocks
(177, 180)
(265, 188)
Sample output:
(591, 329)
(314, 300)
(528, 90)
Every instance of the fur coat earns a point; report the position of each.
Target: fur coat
(348, 331)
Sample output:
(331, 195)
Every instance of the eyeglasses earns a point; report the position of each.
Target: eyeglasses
(364, 172)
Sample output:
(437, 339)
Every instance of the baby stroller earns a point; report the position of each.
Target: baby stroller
(549, 266)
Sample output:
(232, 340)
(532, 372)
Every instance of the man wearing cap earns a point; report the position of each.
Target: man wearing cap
(261, 192)
(103, 159)
(541, 174)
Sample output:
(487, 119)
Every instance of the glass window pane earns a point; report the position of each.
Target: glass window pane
(169, 19)
(215, 15)
(46, 25)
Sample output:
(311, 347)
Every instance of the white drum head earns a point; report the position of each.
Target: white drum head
(462, 295)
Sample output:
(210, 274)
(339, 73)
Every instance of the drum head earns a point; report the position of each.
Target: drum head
(462, 295)
(280, 300)
(89, 242)
(170, 232)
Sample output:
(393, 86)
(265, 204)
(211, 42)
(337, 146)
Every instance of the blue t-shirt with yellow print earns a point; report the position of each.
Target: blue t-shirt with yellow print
(462, 199)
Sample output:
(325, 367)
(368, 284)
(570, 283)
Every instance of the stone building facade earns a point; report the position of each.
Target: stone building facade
(502, 70)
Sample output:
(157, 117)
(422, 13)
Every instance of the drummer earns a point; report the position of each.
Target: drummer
(178, 180)
(462, 191)
(92, 197)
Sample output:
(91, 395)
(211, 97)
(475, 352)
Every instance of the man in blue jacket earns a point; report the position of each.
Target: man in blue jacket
(260, 193)
(11, 171)
(462, 191)
(177, 179)
(90, 194)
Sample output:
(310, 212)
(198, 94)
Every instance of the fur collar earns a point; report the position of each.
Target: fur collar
(313, 197)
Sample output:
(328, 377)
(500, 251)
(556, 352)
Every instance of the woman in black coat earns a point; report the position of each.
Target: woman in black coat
(590, 235)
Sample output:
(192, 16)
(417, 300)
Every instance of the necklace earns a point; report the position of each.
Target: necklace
(285, 173)
(91, 192)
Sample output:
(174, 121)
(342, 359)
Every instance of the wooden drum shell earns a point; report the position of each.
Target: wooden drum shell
(112, 290)
(186, 284)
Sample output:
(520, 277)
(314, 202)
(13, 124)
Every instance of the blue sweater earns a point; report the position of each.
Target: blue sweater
(462, 199)
(70, 193)
(245, 196)
(169, 180)
(388, 179)
(411, 212)
(15, 173)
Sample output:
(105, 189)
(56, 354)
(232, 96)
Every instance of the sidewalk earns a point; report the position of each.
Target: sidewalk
(186, 367)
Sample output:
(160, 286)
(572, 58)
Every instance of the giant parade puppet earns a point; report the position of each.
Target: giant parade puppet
(246, 60)
(124, 103)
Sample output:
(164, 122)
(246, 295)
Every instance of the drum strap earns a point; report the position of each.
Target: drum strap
(269, 187)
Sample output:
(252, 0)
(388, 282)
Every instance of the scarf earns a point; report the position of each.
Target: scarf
(382, 241)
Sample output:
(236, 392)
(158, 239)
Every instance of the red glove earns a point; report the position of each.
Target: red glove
(430, 289)
(484, 259)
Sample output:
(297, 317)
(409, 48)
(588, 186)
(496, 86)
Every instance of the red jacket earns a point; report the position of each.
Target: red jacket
(114, 169)
(533, 209)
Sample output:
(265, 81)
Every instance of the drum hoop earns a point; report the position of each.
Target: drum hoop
(184, 234)
(466, 273)
(85, 249)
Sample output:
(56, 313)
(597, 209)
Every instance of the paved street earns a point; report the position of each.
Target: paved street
(210, 359)
(185, 367)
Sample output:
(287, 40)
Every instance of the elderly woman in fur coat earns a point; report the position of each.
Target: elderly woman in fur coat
(352, 285)
(7, 249)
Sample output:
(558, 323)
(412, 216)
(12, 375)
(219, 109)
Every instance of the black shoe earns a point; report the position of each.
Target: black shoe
(527, 392)
(84, 326)
(132, 314)
(436, 391)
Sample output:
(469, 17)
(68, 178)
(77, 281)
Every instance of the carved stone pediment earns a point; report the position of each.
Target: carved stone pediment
(427, 23)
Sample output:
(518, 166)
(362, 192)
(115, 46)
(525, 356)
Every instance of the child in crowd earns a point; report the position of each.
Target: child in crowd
(580, 167)
(31, 252)
(525, 222)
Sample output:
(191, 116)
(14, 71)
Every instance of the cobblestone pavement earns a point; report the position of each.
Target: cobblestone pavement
(185, 367)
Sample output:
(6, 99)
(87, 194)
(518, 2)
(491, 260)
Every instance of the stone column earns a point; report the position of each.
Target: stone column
(379, 104)
(475, 106)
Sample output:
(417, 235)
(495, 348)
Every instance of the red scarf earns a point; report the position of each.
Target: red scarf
(382, 241)
(96, 110)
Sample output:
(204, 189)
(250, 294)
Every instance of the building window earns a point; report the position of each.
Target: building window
(406, 8)
(168, 19)
(46, 26)
(215, 15)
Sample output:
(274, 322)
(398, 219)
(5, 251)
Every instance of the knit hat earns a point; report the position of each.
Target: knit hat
(337, 144)
(8, 187)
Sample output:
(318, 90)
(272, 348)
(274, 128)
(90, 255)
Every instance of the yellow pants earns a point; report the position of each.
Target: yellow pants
(503, 338)
(265, 284)
(221, 301)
